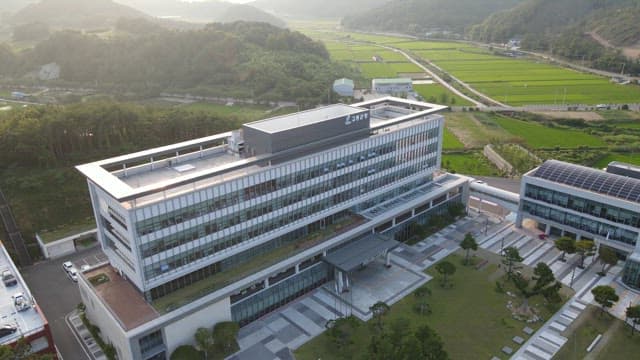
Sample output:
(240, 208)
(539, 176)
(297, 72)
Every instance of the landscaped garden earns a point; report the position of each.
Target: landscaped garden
(472, 316)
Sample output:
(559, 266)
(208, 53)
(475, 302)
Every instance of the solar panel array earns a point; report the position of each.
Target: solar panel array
(594, 180)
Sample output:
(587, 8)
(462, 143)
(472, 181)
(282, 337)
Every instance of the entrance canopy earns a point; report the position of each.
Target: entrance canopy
(360, 252)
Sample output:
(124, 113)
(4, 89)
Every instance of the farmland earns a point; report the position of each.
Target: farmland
(515, 81)
(438, 94)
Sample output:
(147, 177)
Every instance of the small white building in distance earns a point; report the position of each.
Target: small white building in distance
(343, 87)
(392, 86)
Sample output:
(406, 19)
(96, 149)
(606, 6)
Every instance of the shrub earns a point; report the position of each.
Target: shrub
(186, 352)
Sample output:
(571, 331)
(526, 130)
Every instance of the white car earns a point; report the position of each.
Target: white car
(67, 265)
(20, 302)
(73, 274)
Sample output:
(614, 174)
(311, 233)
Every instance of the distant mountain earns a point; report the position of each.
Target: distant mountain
(612, 19)
(80, 14)
(11, 6)
(314, 9)
(420, 16)
(203, 11)
(249, 13)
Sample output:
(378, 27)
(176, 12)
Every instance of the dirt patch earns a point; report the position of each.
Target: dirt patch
(584, 115)
(632, 52)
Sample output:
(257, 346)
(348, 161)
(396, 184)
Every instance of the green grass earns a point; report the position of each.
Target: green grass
(471, 163)
(476, 129)
(450, 141)
(471, 318)
(67, 230)
(440, 95)
(539, 136)
(627, 158)
(621, 346)
(243, 112)
(377, 70)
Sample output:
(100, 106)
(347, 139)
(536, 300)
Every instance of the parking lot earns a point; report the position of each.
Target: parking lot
(57, 296)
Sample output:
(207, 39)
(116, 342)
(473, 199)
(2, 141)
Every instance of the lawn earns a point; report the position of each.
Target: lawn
(471, 318)
(540, 136)
(470, 163)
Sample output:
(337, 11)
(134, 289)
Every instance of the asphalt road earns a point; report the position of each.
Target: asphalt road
(57, 296)
(507, 184)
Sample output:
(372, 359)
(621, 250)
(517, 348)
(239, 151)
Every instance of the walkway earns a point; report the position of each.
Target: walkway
(84, 337)
(548, 340)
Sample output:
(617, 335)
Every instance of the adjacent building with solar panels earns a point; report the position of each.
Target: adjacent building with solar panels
(582, 202)
(235, 225)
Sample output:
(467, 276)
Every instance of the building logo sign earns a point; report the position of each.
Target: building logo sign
(351, 119)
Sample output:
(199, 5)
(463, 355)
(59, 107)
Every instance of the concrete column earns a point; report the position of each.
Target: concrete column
(387, 259)
(561, 232)
(519, 219)
(578, 237)
(346, 281)
(547, 230)
(340, 282)
(637, 251)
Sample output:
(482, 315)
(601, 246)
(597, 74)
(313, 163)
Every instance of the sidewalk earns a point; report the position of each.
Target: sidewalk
(82, 334)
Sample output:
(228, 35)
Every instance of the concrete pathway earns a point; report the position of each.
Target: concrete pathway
(84, 337)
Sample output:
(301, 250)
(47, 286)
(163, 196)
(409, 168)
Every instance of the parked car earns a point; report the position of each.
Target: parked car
(20, 302)
(73, 274)
(7, 329)
(8, 279)
(67, 265)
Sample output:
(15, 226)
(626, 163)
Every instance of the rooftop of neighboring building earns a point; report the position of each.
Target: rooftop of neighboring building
(17, 306)
(166, 171)
(123, 300)
(343, 81)
(589, 179)
(392, 81)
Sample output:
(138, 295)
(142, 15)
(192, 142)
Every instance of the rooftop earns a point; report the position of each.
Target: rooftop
(393, 81)
(586, 178)
(123, 300)
(27, 321)
(167, 171)
(343, 81)
(303, 118)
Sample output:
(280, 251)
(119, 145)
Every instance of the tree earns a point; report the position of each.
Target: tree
(340, 331)
(430, 344)
(468, 243)
(380, 348)
(633, 313)
(445, 268)
(421, 294)
(398, 330)
(567, 245)
(605, 296)
(378, 310)
(224, 335)
(607, 257)
(21, 351)
(510, 258)
(584, 248)
(545, 283)
(205, 341)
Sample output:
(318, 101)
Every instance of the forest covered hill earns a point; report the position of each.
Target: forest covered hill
(420, 16)
(314, 9)
(78, 14)
(615, 20)
(241, 59)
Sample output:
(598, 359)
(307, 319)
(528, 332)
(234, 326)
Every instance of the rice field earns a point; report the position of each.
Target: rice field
(439, 94)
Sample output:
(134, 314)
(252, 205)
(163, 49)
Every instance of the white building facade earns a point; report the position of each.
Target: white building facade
(577, 201)
(240, 222)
